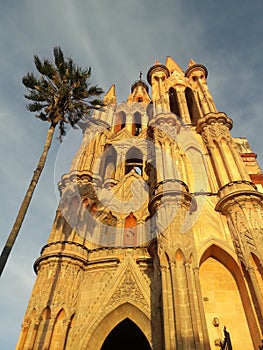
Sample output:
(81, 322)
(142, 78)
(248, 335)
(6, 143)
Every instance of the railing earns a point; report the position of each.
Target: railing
(226, 344)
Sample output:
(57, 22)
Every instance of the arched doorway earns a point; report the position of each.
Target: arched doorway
(226, 300)
(126, 335)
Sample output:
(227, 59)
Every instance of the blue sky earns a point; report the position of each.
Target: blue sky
(118, 39)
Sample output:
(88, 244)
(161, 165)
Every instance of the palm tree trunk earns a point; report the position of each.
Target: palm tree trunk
(27, 199)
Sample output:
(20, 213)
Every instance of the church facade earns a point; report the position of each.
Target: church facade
(157, 239)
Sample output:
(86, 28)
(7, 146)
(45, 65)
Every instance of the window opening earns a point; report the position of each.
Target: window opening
(137, 125)
(134, 161)
(192, 106)
(173, 101)
(120, 121)
(130, 232)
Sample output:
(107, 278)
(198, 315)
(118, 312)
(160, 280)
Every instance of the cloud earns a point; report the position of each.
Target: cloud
(117, 39)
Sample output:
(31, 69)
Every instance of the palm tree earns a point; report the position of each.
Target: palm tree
(61, 95)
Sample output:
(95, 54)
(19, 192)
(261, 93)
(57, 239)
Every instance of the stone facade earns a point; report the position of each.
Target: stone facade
(157, 240)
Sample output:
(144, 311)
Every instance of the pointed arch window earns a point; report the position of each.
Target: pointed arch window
(173, 101)
(130, 231)
(134, 161)
(194, 111)
(137, 124)
(108, 230)
(120, 121)
(108, 164)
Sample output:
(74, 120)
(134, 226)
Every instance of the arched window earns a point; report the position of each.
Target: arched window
(173, 101)
(130, 231)
(120, 121)
(137, 124)
(108, 230)
(108, 164)
(192, 106)
(134, 161)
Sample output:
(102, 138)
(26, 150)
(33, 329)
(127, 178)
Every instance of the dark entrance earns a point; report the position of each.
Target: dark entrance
(126, 335)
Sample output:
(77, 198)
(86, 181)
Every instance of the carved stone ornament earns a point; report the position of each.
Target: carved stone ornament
(128, 291)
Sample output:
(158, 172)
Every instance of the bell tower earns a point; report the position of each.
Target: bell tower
(157, 239)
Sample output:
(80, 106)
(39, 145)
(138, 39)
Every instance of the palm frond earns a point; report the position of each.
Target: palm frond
(62, 94)
(59, 61)
(36, 96)
(95, 91)
(38, 63)
(30, 81)
(35, 106)
(96, 103)
(48, 69)
(42, 116)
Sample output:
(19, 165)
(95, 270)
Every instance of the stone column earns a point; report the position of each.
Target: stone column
(157, 76)
(197, 74)
(242, 204)
(215, 131)
(182, 103)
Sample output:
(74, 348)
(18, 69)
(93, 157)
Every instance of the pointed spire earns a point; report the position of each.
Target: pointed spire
(191, 63)
(110, 97)
(173, 66)
(156, 63)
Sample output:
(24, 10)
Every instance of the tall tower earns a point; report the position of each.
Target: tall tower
(157, 240)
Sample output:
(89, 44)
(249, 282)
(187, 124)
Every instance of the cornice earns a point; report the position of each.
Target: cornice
(186, 197)
(212, 118)
(157, 67)
(165, 118)
(195, 67)
(231, 198)
(60, 255)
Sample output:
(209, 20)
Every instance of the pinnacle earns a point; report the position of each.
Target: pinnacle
(110, 96)
(191, 63)
(172, 65)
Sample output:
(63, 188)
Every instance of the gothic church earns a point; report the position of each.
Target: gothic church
(157, 239)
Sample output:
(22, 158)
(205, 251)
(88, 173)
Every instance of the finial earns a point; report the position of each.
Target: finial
(191, 63)
(140, 76)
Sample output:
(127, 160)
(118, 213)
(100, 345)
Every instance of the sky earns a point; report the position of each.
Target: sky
(117, 39)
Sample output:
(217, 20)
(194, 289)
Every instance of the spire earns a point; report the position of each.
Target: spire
(191, 63)
(173, 66)
(110, 96)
